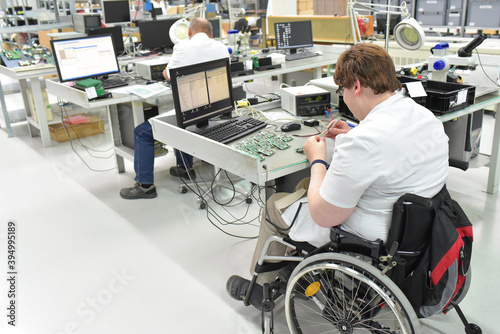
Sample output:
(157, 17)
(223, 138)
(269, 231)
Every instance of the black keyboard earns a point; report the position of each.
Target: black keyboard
(300, 55)
(114, 83)
(233, 129)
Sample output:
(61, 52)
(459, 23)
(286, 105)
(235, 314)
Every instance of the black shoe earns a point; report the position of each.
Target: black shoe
(237, 288)
(180, 171)
(137, 191)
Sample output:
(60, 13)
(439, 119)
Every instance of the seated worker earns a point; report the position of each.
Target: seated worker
(198, 48)
(398, 147)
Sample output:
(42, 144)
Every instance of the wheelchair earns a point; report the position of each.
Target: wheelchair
(346, 286)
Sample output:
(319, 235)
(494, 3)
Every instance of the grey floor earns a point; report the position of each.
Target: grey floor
(91, 262)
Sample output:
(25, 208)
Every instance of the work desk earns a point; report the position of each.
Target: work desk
(245, 165)
(33, 76)
(79, 98)
(288, 161)
(329, 57)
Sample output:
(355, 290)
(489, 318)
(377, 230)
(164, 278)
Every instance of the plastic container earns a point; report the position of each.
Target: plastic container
(405, 79)
(445, 97)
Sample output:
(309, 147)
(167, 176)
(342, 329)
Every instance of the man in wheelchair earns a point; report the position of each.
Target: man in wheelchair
(398, 147)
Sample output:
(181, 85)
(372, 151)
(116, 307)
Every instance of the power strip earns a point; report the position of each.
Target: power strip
(268, 105)
(269, 101)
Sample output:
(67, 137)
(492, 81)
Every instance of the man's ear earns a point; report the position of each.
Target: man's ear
(357, 87)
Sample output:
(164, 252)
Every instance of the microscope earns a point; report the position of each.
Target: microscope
(441, 61)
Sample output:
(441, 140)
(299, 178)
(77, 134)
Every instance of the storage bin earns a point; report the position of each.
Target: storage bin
(445, 97)
(455, 5)
(405, 79)
(430, 19)
(432, 6)
(454, 19)
(483, 14)
(58, 133)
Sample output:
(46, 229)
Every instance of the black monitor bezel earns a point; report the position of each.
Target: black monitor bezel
(106, 18)
(195, 68)
(278, 47)
(161, 31)
(114, 31)
(56, 59)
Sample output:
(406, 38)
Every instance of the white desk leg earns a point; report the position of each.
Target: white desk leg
(494, 173)
(23, 87)
(318, 72)
(6, 117)
(36, 90)
(138, 112)
(114, 125)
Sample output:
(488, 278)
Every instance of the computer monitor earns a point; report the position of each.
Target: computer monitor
(293, 35)
(115, 32)
(216, 27)
(201, 92)
(116, 11)
(154, 34)
(82, 58)
(381, 20)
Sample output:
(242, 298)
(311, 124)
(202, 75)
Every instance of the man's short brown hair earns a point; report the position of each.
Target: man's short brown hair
(371, 65)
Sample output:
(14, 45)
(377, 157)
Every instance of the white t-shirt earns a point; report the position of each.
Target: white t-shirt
(200, 48)
(400, 147)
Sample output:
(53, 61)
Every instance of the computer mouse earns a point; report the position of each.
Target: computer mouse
(292, 126)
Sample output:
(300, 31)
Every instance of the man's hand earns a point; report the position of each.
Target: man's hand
(165, 74)
(339, 128)
(315, 148)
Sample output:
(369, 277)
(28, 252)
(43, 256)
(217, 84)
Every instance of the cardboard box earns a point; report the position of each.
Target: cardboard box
(58, 133)
(44, 40)
(46, 103)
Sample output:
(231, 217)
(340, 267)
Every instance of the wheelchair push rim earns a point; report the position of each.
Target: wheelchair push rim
(337, 293)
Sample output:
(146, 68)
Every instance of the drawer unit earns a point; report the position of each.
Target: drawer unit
(483, 14)
(430, 19)
(431, 6)
(454, 19)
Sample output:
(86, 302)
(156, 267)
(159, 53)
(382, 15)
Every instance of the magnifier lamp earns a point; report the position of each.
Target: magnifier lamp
(179, 30)
(408, 33)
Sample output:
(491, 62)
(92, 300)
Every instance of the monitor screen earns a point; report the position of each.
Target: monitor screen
(293, 35)
(154, 34)
(201, 92)
(381, 20)
(116, 33)
(216, 27)
(82, 58)
(116, 11)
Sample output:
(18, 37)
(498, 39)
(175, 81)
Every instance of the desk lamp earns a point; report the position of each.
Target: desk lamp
(408, 33)
(179, 30)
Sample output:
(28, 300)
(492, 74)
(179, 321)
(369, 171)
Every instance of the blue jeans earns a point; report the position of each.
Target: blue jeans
(144, 154)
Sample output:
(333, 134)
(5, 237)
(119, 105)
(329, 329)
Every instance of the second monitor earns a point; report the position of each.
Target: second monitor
(154, 34)
(116, 34)
(293, 35)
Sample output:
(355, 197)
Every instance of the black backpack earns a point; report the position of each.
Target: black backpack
(434, 247)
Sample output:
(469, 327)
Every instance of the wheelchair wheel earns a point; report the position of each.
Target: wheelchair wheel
(337, 293)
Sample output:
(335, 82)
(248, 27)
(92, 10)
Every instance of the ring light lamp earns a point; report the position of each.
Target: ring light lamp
(409, 34)
(179, 31)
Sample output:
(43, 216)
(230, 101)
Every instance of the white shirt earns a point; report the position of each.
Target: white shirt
(400, 147)
(200, 48)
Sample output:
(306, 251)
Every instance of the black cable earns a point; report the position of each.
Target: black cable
(213, 213)
(286, 229)
(88, 149)
(480, 63)
(73, 148)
